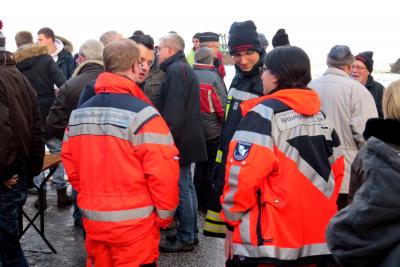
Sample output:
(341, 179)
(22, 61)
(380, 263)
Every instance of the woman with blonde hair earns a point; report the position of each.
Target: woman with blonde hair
(367, 233)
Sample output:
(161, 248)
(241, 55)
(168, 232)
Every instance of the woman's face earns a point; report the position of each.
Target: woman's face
(269, 81)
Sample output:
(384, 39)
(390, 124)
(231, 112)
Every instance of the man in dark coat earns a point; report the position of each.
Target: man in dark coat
(361, 71)
(179, 105)
(42, 72)
(21, 153)
(57, 49)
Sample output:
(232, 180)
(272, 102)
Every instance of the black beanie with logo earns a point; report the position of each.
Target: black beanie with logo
(243, 36)
(366, 58)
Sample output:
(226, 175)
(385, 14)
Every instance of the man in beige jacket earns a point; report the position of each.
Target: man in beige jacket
(347, 105)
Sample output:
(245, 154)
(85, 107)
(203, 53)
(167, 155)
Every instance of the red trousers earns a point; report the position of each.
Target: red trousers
(145, 251)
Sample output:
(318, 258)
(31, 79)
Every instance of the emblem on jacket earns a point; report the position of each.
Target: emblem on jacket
(242, 149)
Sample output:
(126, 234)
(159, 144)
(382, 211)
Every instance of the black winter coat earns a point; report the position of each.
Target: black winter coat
(42, 72)
(376, 89)
(21, 126)
(179, 105)
(367, 232)
(66, 63)
(68, 97)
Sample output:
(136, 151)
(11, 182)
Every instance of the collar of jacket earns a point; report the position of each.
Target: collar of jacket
(370, 82)
(29, 51)
(85, 65)
(197, 66)
(180, 56)
(303, 101)
(336, 71)
(108, 82)
(7, 59)
(387, 130)
(255, 71)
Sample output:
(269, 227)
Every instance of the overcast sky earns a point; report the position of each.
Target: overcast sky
(312, 25)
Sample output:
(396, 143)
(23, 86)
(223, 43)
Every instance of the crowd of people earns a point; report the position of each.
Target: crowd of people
(290, 171)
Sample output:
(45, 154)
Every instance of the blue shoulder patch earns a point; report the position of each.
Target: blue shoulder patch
(242, 149)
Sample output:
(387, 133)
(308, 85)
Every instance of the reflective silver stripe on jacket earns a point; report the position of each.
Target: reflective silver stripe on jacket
(152, 138)
(165, 214)
(280, 253)
(117, 216)
(253, 138)
(228, 200)
(142, 116)
(264, 111)
(241, 95)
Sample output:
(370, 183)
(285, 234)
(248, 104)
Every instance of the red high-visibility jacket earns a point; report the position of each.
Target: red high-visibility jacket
(120, 156)
(283, 175)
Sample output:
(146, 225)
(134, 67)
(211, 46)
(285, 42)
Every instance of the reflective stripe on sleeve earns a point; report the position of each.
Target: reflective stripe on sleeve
(118, 215)
(218, 159)
(253, 138)
(241, 95)
(228, 200)
(165, 214)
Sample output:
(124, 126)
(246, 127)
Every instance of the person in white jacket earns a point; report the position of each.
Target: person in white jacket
(347, 105)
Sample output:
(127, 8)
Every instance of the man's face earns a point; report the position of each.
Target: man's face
(43, 40)
(359, 72)
(246, 60)
(196, 43)
(164, 52)
(145, 61)
(214, 46)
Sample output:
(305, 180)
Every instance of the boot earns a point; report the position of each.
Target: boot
(63, 200)
(36, 204)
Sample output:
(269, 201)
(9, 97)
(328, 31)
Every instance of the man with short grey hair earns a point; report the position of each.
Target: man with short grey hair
(347, 105)
(179, 105)
(212, 108)
(109, 37)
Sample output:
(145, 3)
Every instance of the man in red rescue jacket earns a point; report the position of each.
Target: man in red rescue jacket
(120, 156)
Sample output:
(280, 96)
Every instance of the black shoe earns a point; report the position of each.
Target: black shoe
(78, 223)
(196, 241)
(176, 246)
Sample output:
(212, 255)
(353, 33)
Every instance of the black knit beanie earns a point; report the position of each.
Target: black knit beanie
(243, 36)
(366, 58)
(208, 37)
(280, 38)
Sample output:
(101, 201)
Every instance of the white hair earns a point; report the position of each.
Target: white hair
(174, 41)
(92, 50)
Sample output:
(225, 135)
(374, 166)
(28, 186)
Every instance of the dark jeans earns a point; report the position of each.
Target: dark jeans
(204, 173)
(11, 200)
(187, 208)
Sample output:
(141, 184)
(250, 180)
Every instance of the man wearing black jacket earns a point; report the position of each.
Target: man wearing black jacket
(21, 152)
(179, 105)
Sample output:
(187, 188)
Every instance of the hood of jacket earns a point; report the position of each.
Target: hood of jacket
(7, 58)
(59, 47)
(86, 66)
(303, 101)
(29, 52)
(66, 43)
(108, 82)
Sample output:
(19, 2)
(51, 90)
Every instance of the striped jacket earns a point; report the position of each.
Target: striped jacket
(120, 156)
(245, 86)
(283, 175)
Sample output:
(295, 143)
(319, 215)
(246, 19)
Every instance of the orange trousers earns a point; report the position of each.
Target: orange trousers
(145, 251)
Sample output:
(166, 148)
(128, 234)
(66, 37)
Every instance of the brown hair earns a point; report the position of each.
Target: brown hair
(48, 33)
(120, 55)
(23, 37)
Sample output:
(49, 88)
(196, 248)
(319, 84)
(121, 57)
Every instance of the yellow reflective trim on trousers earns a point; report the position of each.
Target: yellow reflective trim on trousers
(218, 158)
(228, 105)
(214, 228)
(212, 215)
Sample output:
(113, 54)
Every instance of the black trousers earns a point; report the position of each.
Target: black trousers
(11, 200)
(203, 174)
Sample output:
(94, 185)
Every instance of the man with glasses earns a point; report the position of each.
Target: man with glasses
(179, 105)
(361, 71)
(347, 105)
(211, 40)
(247, 53)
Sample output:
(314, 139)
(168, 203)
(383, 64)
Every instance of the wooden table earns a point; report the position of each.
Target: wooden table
(50, 163)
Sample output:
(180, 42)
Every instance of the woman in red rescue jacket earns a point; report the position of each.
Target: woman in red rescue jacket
(283, 173)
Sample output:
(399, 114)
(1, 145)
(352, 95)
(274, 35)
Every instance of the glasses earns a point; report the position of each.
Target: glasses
(356, 67)
(262, 69)
(161, 47)
(245, 55)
